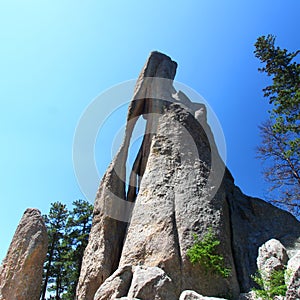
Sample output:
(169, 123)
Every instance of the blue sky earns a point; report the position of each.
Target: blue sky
(57, 56)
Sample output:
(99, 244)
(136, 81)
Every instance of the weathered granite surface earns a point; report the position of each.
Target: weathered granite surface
(21, 270)
(178, 186)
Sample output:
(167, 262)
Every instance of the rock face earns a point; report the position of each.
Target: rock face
(253, 223)
(293, 290)
(21, 271)
(117, 285)
(178, 186)
(137, 283)
(272, 257)
(191, 295)
(293, 277)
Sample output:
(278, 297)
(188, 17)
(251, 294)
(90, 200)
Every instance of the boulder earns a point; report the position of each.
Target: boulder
(151, 283)
(192, 295)
(139, 282)
(22, 268)
(117, 285)
(272, 256)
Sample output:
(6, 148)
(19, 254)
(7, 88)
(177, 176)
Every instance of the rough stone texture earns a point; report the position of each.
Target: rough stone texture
(248, 296)
(251, 296)
(117, 285)
(138, 282)
(254, 222)
(293, 290)
(173, 202)
(21, 270)
(272, 256)
(175, 190)
(292, 266)
(127, 298)
(293, 277)
(191, 295)
(151, 283)
(103, 252)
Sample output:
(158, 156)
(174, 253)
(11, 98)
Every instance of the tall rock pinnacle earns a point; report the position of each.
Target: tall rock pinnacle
(22, 268)
(178, 187)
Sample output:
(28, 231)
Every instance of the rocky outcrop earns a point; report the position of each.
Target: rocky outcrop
(139, 282)
(178, 186)
(117, 285)
(292, 266)
(248, 296)
(191, 295)
(254, 222)
(151, 281)
(272, 257)
(111, 207)
(21, 270)
(293, 289)
(293, 277)
(173, 204)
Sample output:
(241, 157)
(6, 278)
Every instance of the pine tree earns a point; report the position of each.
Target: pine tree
(284, 92)
(281, 133)
(68, 236)
(78, 229)
(55, 222)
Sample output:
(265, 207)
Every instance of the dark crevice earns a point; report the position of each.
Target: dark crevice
(126, 290)
(138, 168)
(176, 240)
(234, 256)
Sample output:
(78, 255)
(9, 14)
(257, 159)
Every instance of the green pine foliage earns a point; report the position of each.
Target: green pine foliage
(280, 146)
(55, 222)
(271, 286)
(203, 252)
(78, 228)
(284, 93)
(68, 233)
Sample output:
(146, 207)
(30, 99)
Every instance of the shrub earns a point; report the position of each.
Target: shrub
(271, 286)
(204, 252)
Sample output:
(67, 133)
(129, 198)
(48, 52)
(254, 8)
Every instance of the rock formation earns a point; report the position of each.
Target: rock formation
(179, 186)
(293, 289)
(191, 295)
(137, 282)
(272, 256)
(21, 270)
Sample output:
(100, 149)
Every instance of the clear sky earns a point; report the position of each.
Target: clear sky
(57, 56)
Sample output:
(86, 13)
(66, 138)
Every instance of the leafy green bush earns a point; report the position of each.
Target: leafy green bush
(271, 286)
(204, 252)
